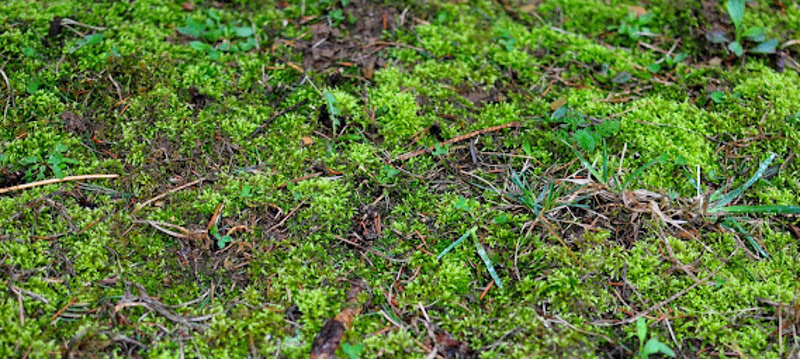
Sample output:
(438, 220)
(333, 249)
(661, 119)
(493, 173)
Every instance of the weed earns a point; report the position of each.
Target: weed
(653, 346)
(667, 62)
(754, 35)
(54, 162)
(634, 27)
(214, 37)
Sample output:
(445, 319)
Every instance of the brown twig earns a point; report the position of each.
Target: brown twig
(276, 115)
(457, 139)
(156, 198)
(55, 180)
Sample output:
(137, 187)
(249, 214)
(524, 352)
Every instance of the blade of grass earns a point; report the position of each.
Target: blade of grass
(734, 224)
(457, 242)
(732, 195)
(639, 171)
(585, 163)
(486, 260)
(763, 209)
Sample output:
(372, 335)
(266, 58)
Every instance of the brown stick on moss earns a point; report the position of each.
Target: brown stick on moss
(457, 139)
(55, 180)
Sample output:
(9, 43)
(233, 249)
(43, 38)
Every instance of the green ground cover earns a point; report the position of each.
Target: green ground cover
(551, 178)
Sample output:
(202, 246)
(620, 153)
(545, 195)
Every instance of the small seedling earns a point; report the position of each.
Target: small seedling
(87, 40)
(667, 62)
(634, 27)
(214, 37)
(333, 110)
(754, 35)
(54, 162)
(653, 346)
(222, 240)
(353, 351)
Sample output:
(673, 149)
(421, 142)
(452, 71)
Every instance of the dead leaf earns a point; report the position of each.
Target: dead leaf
(307, 141)
(637, 10)
(557, 104)
(188, 6)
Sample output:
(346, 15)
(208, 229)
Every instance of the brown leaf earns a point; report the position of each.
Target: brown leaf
(637, 10)
(557, 104)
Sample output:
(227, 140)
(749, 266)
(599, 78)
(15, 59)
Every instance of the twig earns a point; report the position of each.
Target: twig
(286, 217)
(68, 21)
(11, 94)
(156, 198)
(276, 115)
(457, 139)
(55, 180)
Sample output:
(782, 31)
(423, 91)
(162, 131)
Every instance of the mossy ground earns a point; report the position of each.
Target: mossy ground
(146, 104)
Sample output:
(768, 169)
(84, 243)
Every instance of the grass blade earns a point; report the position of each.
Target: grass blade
(728, 198)
(486, 260)
(638, 172)
(772, 209)
(457, 242)
(734, 224)
(585, 163)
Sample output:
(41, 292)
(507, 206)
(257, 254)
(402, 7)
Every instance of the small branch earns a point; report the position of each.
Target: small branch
(457, 139)
(55, 180)
(176, 189)
(276, 115)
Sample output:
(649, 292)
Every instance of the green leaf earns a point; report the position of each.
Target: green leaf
(487, 261)
(457, 242)
(225, 46)
(766, 47)
(192, 28)
(352, 351)
(246, 45)
(717, 96)
(622, 78)
(243, 31)
(200, 46)
(586, 163)
(728, 198)
(654, 346)
(57, 171)
(765, 209)
(654, 67)
(736, 11)
(246, 191)
(736, 48)
(33, 85)
(214, 54)
(213, 14)
(755, 34)
(641, 330)
(439, 150)
(679, 58)
(87, 40)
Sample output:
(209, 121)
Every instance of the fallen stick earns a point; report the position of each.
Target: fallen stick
(457, 139)
(55, 180)
(176, 189)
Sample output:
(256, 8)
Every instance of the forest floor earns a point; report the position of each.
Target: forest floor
(494, 179)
